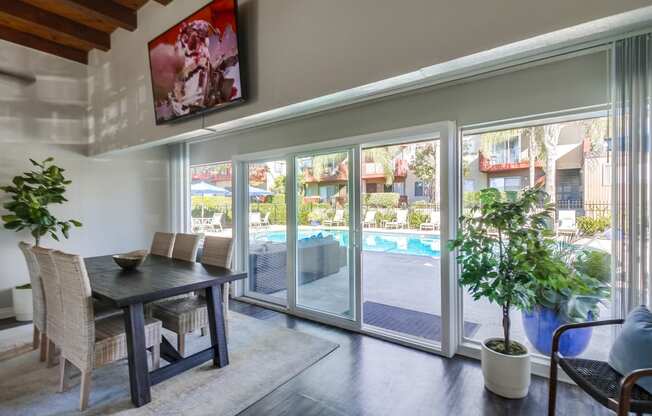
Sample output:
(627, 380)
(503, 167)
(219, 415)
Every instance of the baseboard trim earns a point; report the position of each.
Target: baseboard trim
(6, 312)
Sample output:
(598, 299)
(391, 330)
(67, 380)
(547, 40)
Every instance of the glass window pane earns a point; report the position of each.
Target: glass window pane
(401, 242)
(501, 159)
(267, 229)
(324, 281)
(211, 207)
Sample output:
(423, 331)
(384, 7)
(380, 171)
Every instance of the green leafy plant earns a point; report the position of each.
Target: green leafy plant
(590, 226)
(383, 199)
(416, 218)
(31, 194)
(577, 294)
(504, 247)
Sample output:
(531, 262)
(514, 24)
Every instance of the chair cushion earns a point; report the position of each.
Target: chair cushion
(182, 315)
(631, 350)
(111, 339)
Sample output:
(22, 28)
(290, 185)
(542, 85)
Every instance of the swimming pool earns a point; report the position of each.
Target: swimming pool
(411, 244)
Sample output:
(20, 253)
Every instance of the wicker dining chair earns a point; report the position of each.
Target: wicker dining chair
(38, 303)
(186, 246)
(52, 291)
(162, 244)
(608, 387)
(185, 315)
(87, 343)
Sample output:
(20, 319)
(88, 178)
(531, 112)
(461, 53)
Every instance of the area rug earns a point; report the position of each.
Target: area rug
(407, 321)
(263, 356)
(15, 341)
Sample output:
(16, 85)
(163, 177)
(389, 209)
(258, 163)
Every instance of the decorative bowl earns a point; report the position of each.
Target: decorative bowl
(130, 261)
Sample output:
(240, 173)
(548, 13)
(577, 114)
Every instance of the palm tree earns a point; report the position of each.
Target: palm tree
(385, 157)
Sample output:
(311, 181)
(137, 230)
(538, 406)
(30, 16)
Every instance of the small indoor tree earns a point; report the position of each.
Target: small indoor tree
(31, 193)
(503, 249)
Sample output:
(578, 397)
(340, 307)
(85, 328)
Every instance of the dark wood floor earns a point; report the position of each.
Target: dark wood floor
(367, 376)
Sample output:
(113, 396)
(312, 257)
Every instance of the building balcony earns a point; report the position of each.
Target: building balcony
(374, 170)
(487, 165)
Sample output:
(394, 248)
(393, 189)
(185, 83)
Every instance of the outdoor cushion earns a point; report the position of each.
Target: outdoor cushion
(631, 350)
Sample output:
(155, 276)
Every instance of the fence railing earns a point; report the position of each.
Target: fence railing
(593, 209)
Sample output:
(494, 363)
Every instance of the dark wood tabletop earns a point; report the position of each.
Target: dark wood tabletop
(157, 278)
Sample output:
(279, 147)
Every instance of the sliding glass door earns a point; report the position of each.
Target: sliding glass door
(323, 245)
(361, 247)
(266, 215)
(401, 239)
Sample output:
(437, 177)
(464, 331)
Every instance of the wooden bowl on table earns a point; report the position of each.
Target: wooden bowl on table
(131, 260)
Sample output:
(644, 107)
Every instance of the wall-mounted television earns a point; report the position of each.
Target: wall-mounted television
(195, 65)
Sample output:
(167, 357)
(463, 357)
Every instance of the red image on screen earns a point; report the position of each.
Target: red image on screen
(195, 65)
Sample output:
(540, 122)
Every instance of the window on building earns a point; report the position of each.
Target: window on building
(506, 150)
(507, 184)
(371, 187)
(418, 188)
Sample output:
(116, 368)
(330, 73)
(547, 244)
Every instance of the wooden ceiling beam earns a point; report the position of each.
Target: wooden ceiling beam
(29, 19)
(108, 11)
(43, 45)
(132, 4)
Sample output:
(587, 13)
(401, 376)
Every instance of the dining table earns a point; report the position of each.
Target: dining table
(159, 278)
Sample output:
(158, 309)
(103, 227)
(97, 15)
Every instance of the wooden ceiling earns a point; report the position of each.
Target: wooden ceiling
(67, 28)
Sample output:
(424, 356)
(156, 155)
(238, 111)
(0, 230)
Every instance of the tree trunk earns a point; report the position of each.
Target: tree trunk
(506, 325)
(532, 156)
(550, 140)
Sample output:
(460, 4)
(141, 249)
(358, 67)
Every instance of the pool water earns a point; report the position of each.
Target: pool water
(411, 244)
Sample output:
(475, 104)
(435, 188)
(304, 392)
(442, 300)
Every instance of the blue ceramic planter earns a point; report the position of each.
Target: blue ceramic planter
(541, 323)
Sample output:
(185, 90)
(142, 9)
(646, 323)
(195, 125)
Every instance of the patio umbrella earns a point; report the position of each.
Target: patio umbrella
(254, 192)
(203, 189)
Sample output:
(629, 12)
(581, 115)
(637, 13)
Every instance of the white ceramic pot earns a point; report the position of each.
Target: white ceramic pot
(22, 299)
(505, 375)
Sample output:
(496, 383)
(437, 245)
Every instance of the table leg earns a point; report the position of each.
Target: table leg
(217, 326)
(138, 371)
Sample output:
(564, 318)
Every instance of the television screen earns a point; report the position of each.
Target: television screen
(195, 65)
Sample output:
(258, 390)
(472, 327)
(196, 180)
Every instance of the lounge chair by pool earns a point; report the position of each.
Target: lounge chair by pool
(433, 222)
(401, 220)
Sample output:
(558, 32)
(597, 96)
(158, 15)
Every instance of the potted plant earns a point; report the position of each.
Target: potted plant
(496, 244)
(30, 194)
(569, 297)
(21, 296)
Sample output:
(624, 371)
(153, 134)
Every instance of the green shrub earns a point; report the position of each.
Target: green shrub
(383, 200)
(590, 226)
(595, 264)
(212, 205)
(389, 215)
(304, 212)
(471, 199)
(278, 199)
(416, 218)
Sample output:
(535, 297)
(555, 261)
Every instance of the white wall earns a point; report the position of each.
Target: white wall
(121, 199)
(301, 49)
(567, 84)
(51, 110)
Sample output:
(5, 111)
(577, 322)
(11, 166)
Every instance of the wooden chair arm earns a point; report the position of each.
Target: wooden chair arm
(626, 386)
(558, 333)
